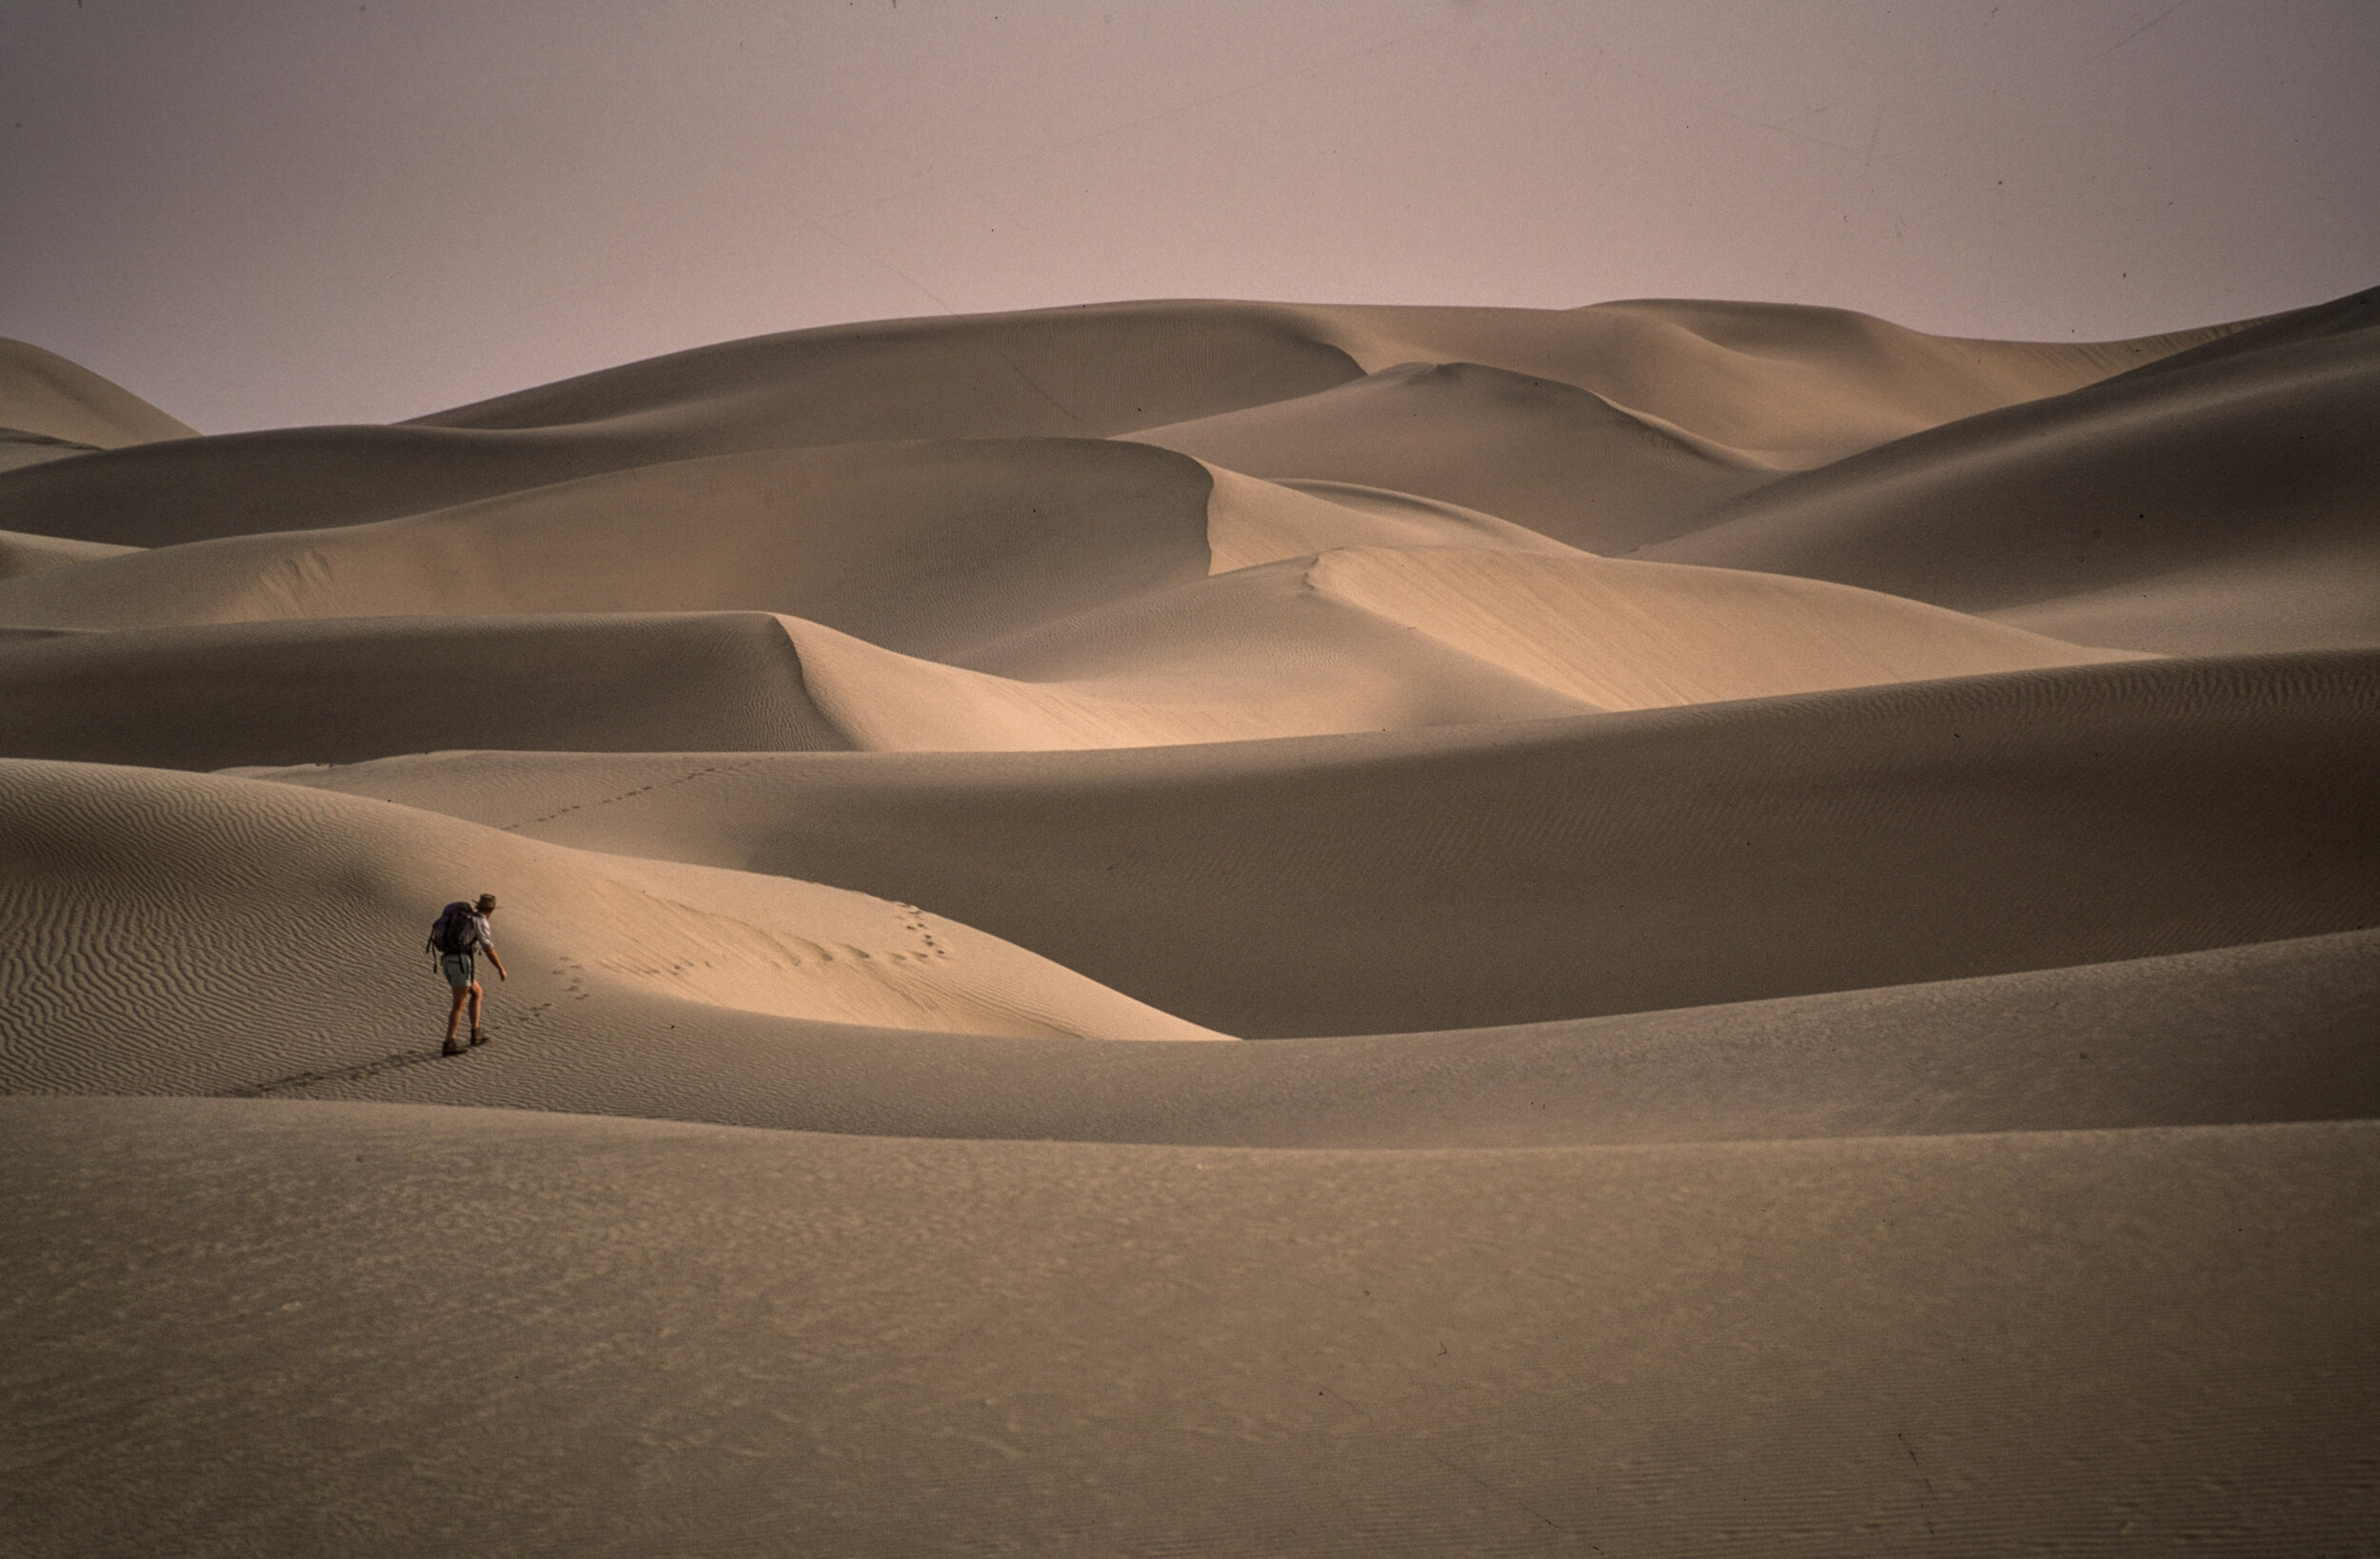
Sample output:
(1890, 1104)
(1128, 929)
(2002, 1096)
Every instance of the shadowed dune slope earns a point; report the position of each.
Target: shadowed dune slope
(1085, 372)
(303, 479)
(42, 393)
(177, 933)
(1615, 863)
(2340, 316)
(921, 548)
(2221, 502)
(1275, 659)
(638, 1337)
(340, 691)
(20, 449)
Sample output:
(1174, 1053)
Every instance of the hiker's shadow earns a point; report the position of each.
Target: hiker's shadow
(338, 1074)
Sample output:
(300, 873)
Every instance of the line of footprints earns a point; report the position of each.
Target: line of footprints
(912, 920)
(573, 972)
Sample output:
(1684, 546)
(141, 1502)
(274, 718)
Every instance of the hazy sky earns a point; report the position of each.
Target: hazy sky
(271, 211)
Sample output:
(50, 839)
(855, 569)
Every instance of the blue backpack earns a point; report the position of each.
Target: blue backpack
(452, 934)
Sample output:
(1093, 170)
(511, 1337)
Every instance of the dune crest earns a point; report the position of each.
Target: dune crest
(43, 395)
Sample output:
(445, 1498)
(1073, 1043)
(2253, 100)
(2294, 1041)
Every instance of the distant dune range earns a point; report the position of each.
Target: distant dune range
(1811, 893)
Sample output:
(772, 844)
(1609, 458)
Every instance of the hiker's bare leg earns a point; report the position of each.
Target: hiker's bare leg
(454, 1013)
(476, 994)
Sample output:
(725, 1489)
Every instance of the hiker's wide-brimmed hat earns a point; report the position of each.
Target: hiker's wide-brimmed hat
(487, 902)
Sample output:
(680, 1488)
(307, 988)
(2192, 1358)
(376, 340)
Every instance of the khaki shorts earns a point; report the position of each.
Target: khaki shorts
(461, 969)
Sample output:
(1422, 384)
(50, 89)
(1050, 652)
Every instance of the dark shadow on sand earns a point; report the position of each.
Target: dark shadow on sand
(339, 1074)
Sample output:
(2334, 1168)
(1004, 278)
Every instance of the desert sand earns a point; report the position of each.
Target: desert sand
(1208, 928)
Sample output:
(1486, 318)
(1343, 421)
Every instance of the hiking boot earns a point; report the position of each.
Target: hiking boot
(453, 1047)
(479, 1036)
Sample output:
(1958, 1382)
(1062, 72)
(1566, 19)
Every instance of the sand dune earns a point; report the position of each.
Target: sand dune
(1802, 385)
(2267, 1033)
(350, 689)
(43, 395)
(1559, 459)
(917, 548)
(1641, 636)
(20, 449)
(1811, 892)
(1793, 385)
(847, 537)
(21, 554)
(2116, 514)
(1063, 372)
(1465, 876)
(986, 378)
(1250, 521)
(1360, 639)
(279, 925)
(1084, 591)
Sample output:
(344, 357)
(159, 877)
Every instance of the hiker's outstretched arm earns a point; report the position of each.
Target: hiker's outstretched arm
(498, 964)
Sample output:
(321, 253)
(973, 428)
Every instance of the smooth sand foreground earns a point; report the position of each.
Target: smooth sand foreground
(1803, 900)
(393, 1330)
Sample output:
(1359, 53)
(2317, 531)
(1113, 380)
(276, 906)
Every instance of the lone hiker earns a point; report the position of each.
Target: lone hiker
(459, 935)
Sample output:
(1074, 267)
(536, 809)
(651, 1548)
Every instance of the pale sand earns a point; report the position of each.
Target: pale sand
(1813, 893)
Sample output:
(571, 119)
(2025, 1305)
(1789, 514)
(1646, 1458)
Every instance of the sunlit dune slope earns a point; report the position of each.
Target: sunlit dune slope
(280, 930)
(1250, 521)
